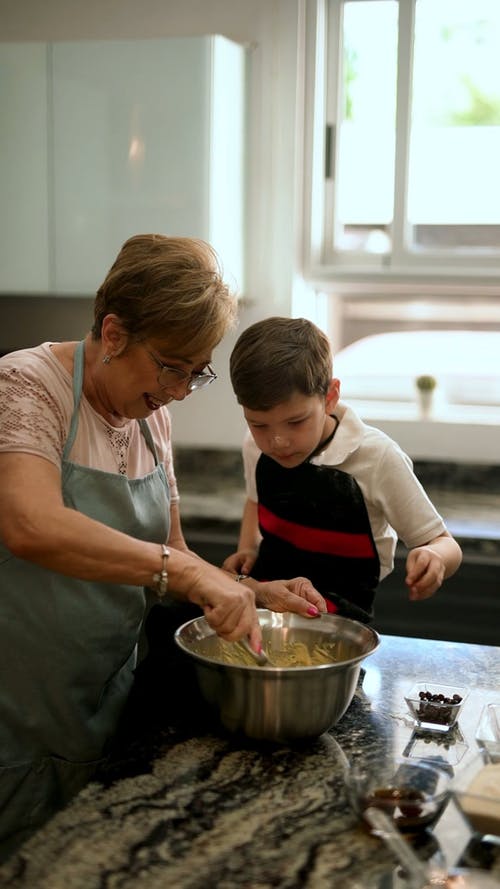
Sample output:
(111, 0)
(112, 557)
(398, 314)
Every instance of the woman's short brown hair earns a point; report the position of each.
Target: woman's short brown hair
(167, 288)
(277, 357)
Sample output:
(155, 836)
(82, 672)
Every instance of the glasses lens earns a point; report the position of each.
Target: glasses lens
(171, 376)
(199, 381)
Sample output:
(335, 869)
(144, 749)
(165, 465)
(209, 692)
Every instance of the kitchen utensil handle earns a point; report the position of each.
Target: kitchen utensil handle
(383, 827)
(261, 659)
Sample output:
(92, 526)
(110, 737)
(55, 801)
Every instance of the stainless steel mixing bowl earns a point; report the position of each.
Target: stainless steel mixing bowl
(281, 703)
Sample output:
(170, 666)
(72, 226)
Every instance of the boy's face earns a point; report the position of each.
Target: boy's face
(293, 429)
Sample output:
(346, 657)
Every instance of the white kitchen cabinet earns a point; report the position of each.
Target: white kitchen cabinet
(142, 136)
(24, 175)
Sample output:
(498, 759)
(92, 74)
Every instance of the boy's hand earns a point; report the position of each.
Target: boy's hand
(425, 570)
(241, 562)
(297, 595)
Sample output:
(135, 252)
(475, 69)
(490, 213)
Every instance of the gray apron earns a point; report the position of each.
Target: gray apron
(68, 647)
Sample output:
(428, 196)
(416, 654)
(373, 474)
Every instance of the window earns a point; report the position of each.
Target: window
(404, 137)
(384, 367)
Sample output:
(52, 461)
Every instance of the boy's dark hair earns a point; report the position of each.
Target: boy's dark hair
(277, 357)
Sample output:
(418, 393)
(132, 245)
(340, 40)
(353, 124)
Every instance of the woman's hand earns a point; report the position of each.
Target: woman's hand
(297, 595)
(228, 606)
(241, 562)
(71, 543)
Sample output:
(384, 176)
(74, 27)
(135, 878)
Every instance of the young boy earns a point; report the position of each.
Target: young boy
(327, 495)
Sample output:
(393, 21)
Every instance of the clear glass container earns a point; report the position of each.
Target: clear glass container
(435, 707)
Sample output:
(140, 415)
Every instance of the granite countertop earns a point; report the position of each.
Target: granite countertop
(189, 806)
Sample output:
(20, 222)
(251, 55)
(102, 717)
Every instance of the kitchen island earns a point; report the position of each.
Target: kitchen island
(184, 805)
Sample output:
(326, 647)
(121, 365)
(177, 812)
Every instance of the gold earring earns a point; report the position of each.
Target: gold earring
(106, 359)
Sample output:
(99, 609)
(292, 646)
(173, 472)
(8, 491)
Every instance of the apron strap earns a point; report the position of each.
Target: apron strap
(146, 431)
(77, 391)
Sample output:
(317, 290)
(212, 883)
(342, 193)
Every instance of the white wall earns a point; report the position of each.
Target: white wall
(272, 31)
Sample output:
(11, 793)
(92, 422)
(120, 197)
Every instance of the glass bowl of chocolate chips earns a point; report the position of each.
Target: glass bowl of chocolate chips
(412, 793)
(435, 707)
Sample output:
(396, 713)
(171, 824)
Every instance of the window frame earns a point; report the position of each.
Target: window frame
(424, 273)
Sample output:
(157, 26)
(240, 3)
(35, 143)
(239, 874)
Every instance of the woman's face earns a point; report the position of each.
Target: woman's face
(130, 385)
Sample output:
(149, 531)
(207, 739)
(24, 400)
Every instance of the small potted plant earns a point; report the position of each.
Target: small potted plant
(425, 384)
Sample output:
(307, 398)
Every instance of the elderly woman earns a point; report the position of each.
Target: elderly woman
(90, 518)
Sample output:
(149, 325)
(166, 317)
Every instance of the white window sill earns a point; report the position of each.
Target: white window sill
(457, 433)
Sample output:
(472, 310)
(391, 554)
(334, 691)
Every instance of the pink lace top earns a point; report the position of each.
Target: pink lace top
(36, 404)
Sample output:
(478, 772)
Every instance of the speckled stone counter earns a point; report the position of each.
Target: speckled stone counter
(189, 806)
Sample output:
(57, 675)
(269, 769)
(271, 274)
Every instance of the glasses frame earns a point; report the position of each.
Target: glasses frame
(195, 380)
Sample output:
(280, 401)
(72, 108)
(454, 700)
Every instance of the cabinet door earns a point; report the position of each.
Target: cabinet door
(24, 250)
(133, 139)
(465, 609)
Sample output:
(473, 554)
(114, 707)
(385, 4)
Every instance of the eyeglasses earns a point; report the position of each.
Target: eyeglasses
(172, 376)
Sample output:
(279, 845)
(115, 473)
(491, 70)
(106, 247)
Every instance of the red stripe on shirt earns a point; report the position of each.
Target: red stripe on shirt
(316, 540)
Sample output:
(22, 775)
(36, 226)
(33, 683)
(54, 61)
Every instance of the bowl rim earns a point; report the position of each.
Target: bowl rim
(270, 669)
(486, 737)
(413, 702)
(427, 685)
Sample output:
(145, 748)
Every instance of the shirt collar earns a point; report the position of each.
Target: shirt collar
(347, 438)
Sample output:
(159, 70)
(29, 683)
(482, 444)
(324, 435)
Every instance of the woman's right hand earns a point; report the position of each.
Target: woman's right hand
(241, 562)
(228, 606)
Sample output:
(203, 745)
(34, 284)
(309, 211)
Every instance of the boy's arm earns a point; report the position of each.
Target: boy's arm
(428, 565)
(243, 561)
(249, 532)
